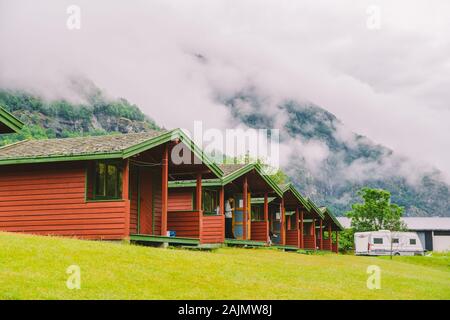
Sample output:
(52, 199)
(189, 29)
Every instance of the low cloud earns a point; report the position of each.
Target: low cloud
(173, 58)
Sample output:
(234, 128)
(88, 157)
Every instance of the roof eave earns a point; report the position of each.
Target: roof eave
(126, 153)
(193, 183)
(269, 180)
(316, 209)
(299, 196)
(237, 173)
(10, 121)
(100, 156)
(327, 211)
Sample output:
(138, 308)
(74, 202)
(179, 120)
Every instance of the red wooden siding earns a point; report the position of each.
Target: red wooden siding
(213, 230)
(259, 231)
(180, 200)
(326, 245)
(335, 248)
(146, 210)
(133, 201)
(184, 223)
(157, 203)
(292, 237)
(309, 242)
(50, 200)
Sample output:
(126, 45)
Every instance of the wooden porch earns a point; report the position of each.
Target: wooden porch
(153, 239)
(245, 243)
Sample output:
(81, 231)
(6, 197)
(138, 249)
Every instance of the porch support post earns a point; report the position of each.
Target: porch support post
(321, 234)
(164, 189)
(283, 223)
(222, 200)
(198, 189)
(244, 211)
(314, 233)
(330, 238)
(337, 242)
(288, 224)
(302, 244)
(266, 214)
(126, 195)
(198, 204)
(297, 227)
(222, 209)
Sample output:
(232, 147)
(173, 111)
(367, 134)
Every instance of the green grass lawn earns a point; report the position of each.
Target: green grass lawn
(33, 267)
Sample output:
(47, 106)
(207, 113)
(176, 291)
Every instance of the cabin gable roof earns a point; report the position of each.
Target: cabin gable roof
(290, 187)
(120, 146)
(316, 209)
(230, 173)
(9, 123)
(327, 211)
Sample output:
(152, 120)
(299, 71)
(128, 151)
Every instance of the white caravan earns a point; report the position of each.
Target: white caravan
(378, 243)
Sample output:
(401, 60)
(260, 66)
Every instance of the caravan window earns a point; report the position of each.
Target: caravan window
(395, 240)
(412, 241)
(377, 240)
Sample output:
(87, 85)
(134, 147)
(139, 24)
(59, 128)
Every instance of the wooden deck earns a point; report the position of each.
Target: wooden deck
(286, 248)
(247, 243)
(162, 239)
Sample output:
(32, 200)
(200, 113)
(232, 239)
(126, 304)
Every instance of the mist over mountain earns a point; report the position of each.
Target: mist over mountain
(329, 163)
(93, 114)
(322, 158)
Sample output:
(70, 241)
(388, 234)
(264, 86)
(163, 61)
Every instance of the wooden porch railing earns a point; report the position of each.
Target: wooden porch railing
(259, 231)
(185, 223)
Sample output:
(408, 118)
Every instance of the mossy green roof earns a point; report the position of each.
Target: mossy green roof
(229, 169)
(119, 146)
(109, 144)
(230, 173)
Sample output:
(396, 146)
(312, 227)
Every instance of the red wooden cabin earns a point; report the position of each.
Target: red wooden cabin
(297, 207)
(105, 187)
(240, 182)
(268, 229)
(331, 224)
(311, 227)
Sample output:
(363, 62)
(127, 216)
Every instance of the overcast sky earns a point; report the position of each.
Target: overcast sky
(389, 81)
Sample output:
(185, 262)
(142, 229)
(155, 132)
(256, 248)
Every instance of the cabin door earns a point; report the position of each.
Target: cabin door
(275, 226)
(145, 201)
(238, 217)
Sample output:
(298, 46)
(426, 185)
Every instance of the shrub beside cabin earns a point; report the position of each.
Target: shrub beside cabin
(130, 186)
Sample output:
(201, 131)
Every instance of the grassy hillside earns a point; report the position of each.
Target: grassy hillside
(33, 267)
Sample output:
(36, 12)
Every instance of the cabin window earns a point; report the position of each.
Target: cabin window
(210, 201)
(257, 212)
(104, 181)
(412, 241)
(395, 240)
(442, 233)
(377, 240)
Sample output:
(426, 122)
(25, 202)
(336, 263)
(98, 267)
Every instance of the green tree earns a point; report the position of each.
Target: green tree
(346, 240)
(376, 212)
